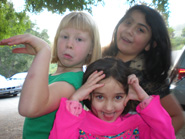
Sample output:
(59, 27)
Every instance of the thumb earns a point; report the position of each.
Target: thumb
(19, 50)
(126, 100)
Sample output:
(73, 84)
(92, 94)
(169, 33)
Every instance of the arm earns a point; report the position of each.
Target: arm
(175, 111)
(91, 84)
(68, 119)
(135, 91)
(157, 120)
(153, 114)
(66, 125)
(37, 98)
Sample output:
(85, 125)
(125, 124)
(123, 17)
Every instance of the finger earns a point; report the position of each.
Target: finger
(132, 79)
(126, 101)
(19, 50)
(12, 41)
(95, 74)
(96, 77)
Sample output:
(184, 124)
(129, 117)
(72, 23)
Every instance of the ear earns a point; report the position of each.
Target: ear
(147, 48)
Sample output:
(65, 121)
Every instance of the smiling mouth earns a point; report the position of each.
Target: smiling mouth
(125, 40)
(108, 116)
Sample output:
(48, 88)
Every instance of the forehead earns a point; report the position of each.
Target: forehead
(137, 16)
(111, 87)
(78, 23)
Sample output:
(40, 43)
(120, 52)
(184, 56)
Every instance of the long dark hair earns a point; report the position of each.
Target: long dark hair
(111, 67)
(158, 58)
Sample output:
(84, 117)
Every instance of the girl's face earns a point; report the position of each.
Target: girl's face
(107, 101)
(133, 36)
(73, 46)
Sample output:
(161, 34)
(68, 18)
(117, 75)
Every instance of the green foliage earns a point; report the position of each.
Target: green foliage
(171, 32)
(52, 68)
(183, 32)
(177, 43)
(60, 6)
(13, 63)
(34, 31)
(12, 23)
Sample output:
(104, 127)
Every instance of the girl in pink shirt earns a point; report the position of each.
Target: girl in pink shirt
(109, 92)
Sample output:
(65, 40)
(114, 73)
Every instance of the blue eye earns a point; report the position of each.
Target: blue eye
(79, 39)
(64, 36)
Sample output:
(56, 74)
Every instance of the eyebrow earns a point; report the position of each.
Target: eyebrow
(144, 26)
(98, 93)
(141, 24)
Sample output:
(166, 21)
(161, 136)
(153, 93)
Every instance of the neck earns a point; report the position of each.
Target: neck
(63, 69)
(124, 57)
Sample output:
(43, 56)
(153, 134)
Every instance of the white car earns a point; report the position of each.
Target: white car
(12, 85)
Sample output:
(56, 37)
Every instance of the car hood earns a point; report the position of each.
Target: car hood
(10, 83)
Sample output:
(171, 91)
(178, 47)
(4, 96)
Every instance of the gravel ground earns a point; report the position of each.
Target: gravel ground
(11, 122)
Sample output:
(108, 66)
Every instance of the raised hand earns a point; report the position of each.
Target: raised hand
(135, 92)
(91, 84)
(32, 44)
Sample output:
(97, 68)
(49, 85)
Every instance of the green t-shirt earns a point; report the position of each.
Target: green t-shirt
(40, 127)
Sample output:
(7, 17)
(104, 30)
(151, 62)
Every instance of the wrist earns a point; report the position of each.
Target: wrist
(145, 97)
(145, 102)
(74, 98)
(74, 107)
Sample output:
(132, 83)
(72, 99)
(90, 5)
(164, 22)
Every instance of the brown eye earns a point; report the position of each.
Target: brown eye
(118, 97)
(99, 97)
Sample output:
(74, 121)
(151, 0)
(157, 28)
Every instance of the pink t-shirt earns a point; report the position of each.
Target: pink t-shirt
(150, 122)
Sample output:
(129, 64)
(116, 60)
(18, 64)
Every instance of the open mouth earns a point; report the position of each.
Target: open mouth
(108, 116)
(125, 40)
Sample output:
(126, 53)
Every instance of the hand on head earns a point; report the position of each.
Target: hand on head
(91, 84)
(135, 91)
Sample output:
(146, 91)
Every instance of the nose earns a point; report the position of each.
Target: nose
(70, 44)
(109, 106)
(130, 30)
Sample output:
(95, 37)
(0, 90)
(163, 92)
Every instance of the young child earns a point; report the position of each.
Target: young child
(76, 43)
(141, 40)
(111, 85)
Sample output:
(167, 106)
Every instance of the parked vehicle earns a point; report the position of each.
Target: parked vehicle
(13, 85)
(178, 77)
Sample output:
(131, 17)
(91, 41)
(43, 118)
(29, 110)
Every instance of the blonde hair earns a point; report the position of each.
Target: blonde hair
(82, 21)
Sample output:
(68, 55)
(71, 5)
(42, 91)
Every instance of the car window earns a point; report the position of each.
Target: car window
(182, 60)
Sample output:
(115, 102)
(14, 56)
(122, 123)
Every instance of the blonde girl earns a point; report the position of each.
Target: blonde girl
(76, 43)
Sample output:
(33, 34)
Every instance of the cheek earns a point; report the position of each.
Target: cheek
(120, 107)
(96, 107)
(119, 31)
(141, 42)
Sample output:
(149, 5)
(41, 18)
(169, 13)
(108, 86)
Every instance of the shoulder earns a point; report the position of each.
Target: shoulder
(72, 78)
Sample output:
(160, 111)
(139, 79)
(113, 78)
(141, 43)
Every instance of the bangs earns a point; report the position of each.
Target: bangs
(78, 21)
